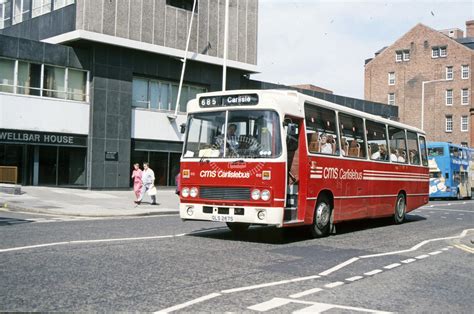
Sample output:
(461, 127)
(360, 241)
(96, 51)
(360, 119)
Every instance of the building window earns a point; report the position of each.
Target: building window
(21, 8)
(465, 96)
(391, 78)
(449, 123)
(183, 4)
(406, 55)
(35, 79)
(443, 51)
(40, 7)
(5, 14)
(464, 72)
(439, 52)
(449, 73)
(391, 99)
(162, 95)
(58, 4)
(464, 123)
(449, 97)
(398, 56)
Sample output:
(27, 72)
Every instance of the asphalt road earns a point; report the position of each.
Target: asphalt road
(148, 264)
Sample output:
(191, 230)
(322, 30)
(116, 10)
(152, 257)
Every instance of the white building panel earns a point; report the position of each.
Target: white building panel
(43, 114)
(153, 125)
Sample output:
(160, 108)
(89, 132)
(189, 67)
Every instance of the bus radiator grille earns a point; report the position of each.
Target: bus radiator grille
(217, 193)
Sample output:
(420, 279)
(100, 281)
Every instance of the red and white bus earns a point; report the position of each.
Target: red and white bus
(282, 158)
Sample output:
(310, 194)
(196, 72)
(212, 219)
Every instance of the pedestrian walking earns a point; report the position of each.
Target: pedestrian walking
(137, 181)
(148, 179)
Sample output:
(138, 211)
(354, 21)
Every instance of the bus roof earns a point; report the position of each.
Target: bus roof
(285, 100)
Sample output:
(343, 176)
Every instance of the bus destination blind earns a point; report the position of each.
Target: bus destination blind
(228, 100)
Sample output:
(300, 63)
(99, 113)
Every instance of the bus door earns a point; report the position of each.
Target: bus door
(295, 196)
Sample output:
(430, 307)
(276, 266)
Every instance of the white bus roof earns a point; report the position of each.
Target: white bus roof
(288, 102)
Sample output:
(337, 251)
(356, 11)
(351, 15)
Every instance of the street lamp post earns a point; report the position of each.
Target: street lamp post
(423, 98)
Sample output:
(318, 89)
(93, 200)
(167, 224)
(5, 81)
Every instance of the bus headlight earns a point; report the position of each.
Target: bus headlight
(265, 195)
(193, 192)
(185, 192)
(261, 215)
(255, 194)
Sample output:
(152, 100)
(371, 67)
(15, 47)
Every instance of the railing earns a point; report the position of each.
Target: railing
(8, 174)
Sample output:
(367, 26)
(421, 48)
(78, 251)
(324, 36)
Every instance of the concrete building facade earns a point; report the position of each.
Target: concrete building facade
(427, 74)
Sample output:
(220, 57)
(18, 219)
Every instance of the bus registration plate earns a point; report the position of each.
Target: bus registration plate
(222, 218)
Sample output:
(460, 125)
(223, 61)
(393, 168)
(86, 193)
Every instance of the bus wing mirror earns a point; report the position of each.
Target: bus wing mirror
(182, 128)
(292, 129)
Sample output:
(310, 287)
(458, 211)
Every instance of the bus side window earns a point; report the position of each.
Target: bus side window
(377, 141)
(413, 151)
(321, 124)
(424, 157)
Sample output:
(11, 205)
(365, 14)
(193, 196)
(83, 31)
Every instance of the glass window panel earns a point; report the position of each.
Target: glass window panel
(377, 141)
(48, 166)
(140, 93)
(40, 7)
(72, 166)
(352, 136)
(164, 96)
(398, 148)
(205, 135)
(413, 151)
(7, 73)
(174, 96)
(424, 157)
(154, 94)
(159, 165)
(321, 130)
(5, 14)
(183, 101)
(174, 168)
(29, 78)
(77, 85)
(54, 82)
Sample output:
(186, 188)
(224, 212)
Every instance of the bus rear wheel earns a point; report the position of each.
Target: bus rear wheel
(238, 227)
(322, 218)
(400, 209)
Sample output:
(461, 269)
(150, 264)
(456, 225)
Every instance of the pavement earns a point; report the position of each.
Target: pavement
(87, 203)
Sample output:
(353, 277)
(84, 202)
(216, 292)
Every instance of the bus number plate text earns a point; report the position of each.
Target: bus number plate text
(222, 218)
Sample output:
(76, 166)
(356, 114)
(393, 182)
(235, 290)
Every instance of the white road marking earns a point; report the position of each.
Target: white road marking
(443, 217)
(435, 253)
(355, 278)
(410, 260)
(391, 266)
(314, 307)
(305, 293)
(422, 256)
(334, 284)
(373, 272)
(337, 267)
(269, 284)
(444, 249)
(183, 305)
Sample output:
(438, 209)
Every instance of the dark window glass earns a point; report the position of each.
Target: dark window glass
(413, 151)
(183, 4)
(72, 166)
(321, 130)
(159, 165)
(29, 78)
(48, 156)
(424, 158)
(435, 151)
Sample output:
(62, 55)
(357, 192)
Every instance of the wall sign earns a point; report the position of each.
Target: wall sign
(228, 100)
(32, 137)
(111, 156)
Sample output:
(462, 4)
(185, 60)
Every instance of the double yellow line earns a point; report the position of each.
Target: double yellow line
(465, 248)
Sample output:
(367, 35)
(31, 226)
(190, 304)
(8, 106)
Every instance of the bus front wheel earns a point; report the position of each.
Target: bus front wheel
(400, 209)
(322, 218)
(238, 227)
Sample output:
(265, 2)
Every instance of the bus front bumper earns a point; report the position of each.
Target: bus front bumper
(243, 214)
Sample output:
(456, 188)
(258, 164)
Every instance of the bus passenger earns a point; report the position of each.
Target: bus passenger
(381, 154)
(326, 145)
(393, 154)
(345, 147)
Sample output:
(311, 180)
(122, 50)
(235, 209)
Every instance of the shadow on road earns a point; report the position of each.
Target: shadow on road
(7, 221)
(273, 235)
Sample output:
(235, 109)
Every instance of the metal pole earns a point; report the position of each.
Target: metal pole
(226, 31)
(184, 61)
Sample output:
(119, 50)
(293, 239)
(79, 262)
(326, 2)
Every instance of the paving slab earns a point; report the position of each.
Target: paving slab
(80, 202)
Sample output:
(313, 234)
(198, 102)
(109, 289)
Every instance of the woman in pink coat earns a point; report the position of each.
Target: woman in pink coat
(137, 181)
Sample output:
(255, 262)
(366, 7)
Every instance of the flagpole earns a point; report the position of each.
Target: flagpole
(226, 33)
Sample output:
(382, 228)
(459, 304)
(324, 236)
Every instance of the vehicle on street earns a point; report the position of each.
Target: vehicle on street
(450, 167)
(282, 158)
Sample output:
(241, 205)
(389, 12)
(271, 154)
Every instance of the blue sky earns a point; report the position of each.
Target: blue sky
(325, 43)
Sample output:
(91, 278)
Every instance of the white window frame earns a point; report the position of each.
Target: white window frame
(433, 50)
(465, 97)
(464, 123)
(449, 73)
(3, 17)
(449, 124)
(465, 70)
(441, 49)
(391, 101)
(449, 99)
(398, 56)
(406, 55)
(18, 17)
(391, 78)
(58, 4)
(40, 7)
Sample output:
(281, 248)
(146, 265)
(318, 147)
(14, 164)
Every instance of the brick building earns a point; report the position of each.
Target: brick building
(430, 64)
